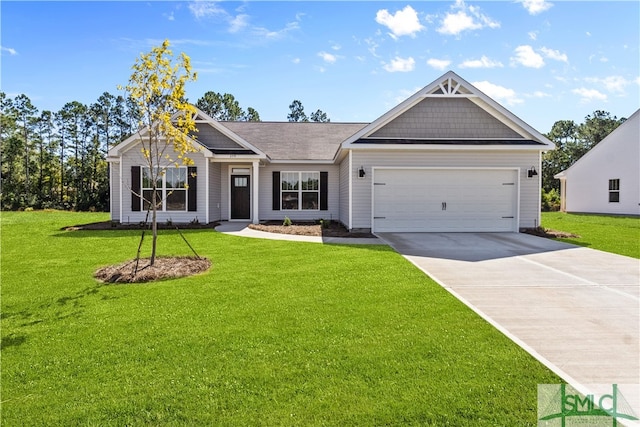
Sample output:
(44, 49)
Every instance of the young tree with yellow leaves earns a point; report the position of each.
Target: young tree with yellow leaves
(166, 119)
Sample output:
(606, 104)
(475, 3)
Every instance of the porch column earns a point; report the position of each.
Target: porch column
(206, 190)
(255, 172)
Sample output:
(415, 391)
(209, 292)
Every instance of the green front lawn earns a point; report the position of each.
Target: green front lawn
(277, 333)
(617, 234)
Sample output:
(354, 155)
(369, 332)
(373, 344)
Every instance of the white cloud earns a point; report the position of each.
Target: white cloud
(539, 94)
(398, 64)
(455, 23)
(438, 64)
(203, 9)
(404, 22)
(526, 56)
(554, 54)
(169, 16)
(588, 95)
(533, 35)
(276, 34)
(466, 18)
(536, 6)
(10, 50)
(327, 57)
(614, 84)
(372, 47)
(209, 9)
(238, 23)
(336, 47)
(296, 60)
(483, 62)
(498, 93)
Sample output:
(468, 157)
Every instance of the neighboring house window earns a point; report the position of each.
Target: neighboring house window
(614, 191)
(171, 189)
(300, 190)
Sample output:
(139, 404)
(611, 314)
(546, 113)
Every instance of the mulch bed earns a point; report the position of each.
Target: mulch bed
(163, 268)
(334, 229)
(550, 234)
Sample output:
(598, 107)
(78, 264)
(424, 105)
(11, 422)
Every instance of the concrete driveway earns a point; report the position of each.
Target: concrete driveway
(575, 309)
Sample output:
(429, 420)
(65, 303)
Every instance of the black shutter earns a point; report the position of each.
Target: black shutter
(135, 188)
(192, 182)
(324, 191)
(276, 191)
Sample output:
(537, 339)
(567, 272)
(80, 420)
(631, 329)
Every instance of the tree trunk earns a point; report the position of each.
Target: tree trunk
(154, 224)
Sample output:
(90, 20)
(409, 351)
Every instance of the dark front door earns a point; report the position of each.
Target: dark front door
(240, 197)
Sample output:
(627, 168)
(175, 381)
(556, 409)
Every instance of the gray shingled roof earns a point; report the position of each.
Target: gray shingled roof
(295, 140)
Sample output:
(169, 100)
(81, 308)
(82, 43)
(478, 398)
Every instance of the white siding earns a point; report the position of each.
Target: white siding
(114, 191)
(615, 157)
(345, 177)
(529, 197)
(134, 157)
(266, 196)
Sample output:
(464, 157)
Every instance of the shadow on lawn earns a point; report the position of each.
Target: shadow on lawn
(62, 308)
(124, 232)
(12, 340)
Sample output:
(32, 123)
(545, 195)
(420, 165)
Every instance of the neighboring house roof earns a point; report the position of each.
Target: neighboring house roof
(634, 120)
(295, 140)
(490, 122)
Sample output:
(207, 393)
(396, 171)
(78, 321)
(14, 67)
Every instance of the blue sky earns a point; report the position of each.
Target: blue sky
(544, 61)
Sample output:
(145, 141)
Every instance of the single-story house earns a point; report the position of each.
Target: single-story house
(606, 180)
(449, 158)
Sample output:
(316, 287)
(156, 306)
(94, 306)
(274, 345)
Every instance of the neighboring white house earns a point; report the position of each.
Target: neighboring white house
(449, 158)
(606, 180)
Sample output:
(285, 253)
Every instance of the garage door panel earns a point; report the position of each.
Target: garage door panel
(444, 200)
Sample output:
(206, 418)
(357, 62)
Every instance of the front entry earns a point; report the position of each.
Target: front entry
(240, 197)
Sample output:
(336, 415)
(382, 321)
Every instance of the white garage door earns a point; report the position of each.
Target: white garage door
(445, 200)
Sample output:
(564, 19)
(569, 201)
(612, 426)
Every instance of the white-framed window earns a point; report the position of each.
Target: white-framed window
(614, 191)
(171, 189)
(300, 191)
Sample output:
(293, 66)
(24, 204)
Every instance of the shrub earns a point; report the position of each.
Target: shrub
(286, 222)
(550, 200)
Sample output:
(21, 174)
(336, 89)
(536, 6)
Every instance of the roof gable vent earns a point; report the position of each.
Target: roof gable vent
(450, 87)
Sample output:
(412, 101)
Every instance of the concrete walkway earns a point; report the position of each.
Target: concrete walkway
(575, 309)
(242, 229)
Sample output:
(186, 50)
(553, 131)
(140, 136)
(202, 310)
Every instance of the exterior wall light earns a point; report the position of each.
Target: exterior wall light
(361, 172)
(532, 172)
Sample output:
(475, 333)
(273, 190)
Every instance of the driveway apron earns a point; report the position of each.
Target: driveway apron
(575, 309)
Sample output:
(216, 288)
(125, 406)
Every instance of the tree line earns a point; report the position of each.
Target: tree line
(58, 159)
